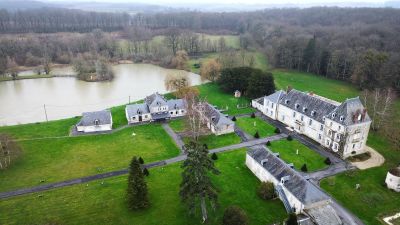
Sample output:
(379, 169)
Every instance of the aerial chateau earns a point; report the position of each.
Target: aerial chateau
(340, 127)
(155, 108)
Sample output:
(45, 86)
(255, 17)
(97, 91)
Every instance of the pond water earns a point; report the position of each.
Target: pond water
(23, 101)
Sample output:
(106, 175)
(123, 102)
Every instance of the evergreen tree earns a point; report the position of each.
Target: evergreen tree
(268, 143)
(257, 135)
(289, 138)
(277, 131)
(304, 168)
(253, 115)
(259, 84)
(310, 54)
(137, 187)
(328, 161)
(146, 172)
(196, 186)
(234, 118)
(292, 220)
(214, 156)
(141, 161)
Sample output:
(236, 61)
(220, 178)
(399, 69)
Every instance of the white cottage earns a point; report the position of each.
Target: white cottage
(155, 108)
(341, 127)
(393, 179)
(95, 122)
(296, 193)
(217, 122)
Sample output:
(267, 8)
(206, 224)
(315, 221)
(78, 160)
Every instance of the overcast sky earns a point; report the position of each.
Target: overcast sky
(165, 2)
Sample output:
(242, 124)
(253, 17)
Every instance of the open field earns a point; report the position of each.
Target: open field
(98, 203)
(214, 141)
(287, 151)
(59, 159)
(211, 93)
(247, 125)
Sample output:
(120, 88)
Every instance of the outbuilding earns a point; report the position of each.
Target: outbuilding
(393, 179)
(95, 122)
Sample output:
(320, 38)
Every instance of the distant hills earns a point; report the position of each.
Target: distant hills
(133, 8)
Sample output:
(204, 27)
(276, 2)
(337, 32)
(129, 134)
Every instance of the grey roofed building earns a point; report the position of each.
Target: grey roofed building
(95, 118)
(176, 104)
(275, 97)
(137, 109)
(217, 118)
(155, 100)
(302, 189)
(347, 113)
(308, 104)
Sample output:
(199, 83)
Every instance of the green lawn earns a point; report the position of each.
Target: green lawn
(329, 88)
(72, 157)
(38, 130)
(287, 152)
(247, 125)
(177, 125)
(96, 203)
(373, 193)
(214, 141)
(212, 93)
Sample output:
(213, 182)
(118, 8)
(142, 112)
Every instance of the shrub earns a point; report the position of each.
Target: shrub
(268, 143)
(205, 146)
(304, 168)
(234, 215)
(292, 219)
(253, 115)
(141, 161)
(328, 161)
(234, 118)
(146, 172)
(289, 138)
(266, 191)
(257, 135)
(214, 156)
(277, 131)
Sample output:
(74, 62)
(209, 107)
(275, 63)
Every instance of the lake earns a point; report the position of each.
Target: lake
(22, 101)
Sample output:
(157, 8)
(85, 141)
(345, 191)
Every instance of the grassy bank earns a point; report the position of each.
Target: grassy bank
(51, 160)
(103, 202)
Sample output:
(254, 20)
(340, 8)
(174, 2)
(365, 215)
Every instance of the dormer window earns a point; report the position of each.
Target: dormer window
(333, 115)
(313, 113)
(359, 117)
(96, 122)
(139, 112)
(287, 101)
(297, 105)
(341, 118)
(304, 109)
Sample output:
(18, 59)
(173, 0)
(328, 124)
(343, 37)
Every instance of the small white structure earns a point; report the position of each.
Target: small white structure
(238, 94)
(95, 122)
(340, 127)
(393, 179)
(154, 108)
(296, 193)
(217, 122)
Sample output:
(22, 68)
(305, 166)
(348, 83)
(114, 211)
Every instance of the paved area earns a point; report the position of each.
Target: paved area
(375, 160)
(178, 140)
(330, 171)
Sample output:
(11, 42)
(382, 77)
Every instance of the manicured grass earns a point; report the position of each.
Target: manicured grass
(98, 203)
(118, 116)
(287, 152)
(373, 200)
(329, 88)
(33, 76)
(177, 125)
(39, 130)
(214, 95)
(214, 141)
(72, 157)
(247, 125)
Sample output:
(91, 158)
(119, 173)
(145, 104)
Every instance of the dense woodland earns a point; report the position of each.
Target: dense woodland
(357, 45)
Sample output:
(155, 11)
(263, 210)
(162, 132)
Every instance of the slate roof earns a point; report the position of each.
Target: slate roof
(137, 109)
(275, 97)
(302, 189)
(308, 102)
(89, 118)
(347, 113)
(176, 104)
(155, 100)
(160, 116)
(219, 119)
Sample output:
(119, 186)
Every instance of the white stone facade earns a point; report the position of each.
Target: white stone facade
(393, 179)
(341, 127)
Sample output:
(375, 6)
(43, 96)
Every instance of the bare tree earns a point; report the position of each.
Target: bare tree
(9, 151)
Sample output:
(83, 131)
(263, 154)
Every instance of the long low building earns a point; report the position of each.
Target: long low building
(95, 122)
(340, 127)
(297, 194)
